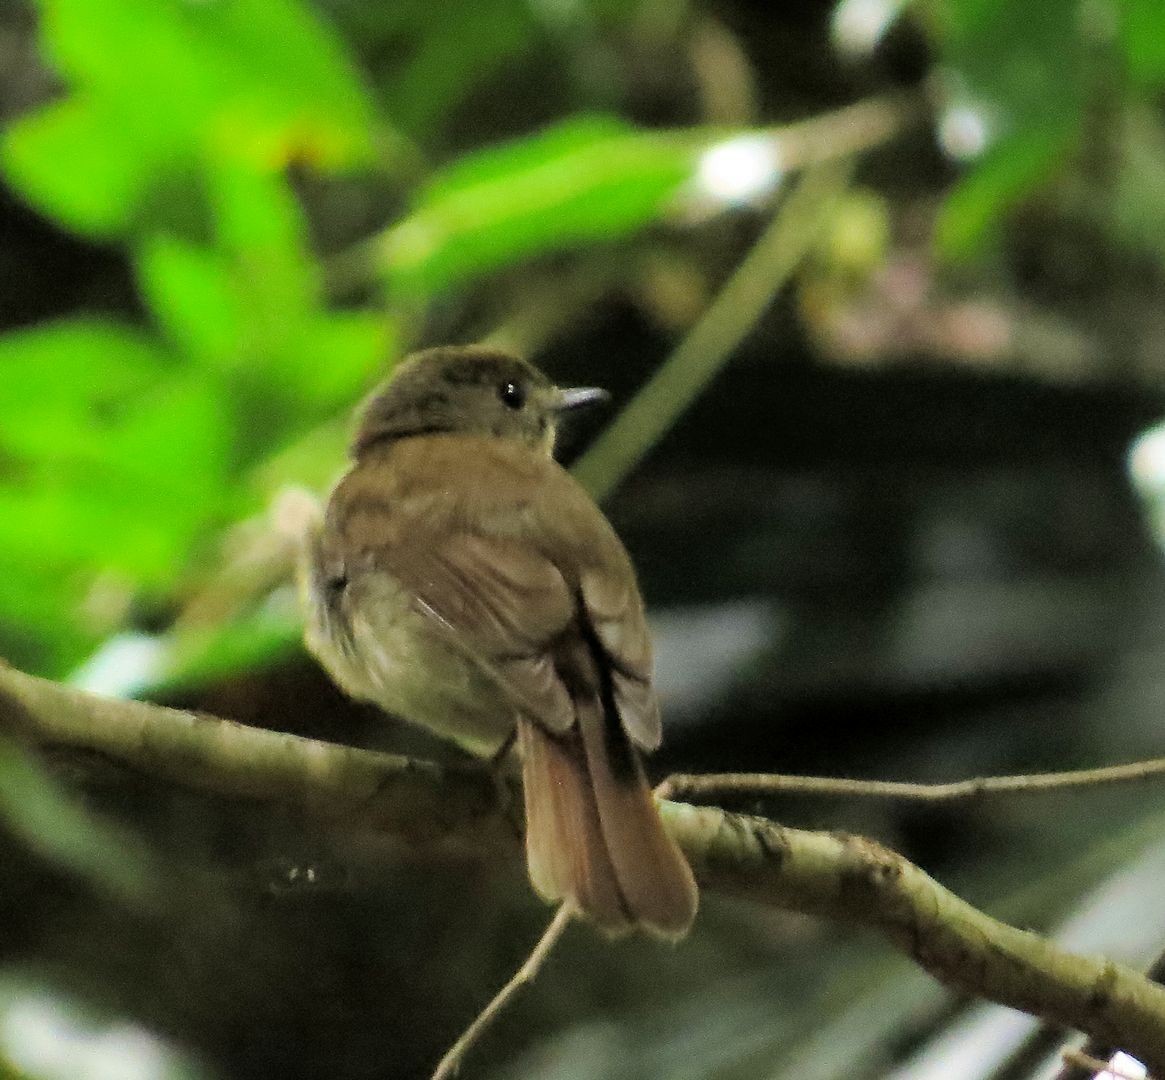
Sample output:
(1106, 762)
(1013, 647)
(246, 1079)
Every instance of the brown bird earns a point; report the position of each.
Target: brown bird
(463, 580)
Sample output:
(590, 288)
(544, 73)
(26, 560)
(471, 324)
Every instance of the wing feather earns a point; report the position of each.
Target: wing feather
(501, 604)
(507, 561)
(615, 612)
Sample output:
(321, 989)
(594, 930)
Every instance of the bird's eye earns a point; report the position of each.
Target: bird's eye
(512, 394)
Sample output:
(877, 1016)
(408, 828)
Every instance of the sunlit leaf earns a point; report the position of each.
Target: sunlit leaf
(38, 628)
(192, 293)
(162, 86)
(587, 179)
(116, 462)
(274, 281)
(65, 383)
(255, 211)
(115, 457)
(1143, 40)
(340, 354)
(110, 163)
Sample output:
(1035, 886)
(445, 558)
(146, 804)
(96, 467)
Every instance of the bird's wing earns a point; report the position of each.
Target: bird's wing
(566, 526)
(500, 603)
(614, 610)
(572, 533)
(513, 560)
(509, 602)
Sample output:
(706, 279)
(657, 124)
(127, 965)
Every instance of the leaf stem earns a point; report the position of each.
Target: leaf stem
(707, 348)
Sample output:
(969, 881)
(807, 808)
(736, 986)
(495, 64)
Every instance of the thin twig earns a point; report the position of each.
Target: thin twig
(451, 1062)
(686, 787)
(853, 129)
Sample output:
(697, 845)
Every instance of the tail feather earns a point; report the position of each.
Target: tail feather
(653, 876)
(593, 833)
(565, 851)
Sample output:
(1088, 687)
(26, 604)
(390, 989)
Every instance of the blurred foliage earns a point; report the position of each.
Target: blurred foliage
(591, 178)
(161, 92)
(185, 128)
(47, 1035)
(179, 122)
(1034, 76)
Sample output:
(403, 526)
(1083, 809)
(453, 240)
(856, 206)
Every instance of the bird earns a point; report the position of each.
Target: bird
(463, 580)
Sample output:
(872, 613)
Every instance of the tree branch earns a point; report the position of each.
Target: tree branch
(418, 803)
(858, 881)
(709, 786)
(828, 875)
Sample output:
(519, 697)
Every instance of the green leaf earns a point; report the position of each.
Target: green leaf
(256, 211)
(110, 163)
(116, 462)
(1023, 60)
(1009, 171)
(170, 462)
(417, 51)
(337, 356)
(261, 231)
(1142, 35)
(134, 503)
(191, 290)
(162, 87)
(39, 631)
(115, 454)
(585, 180)
(439, 71)
(251, 306)
(65, 383)
(1021, 65)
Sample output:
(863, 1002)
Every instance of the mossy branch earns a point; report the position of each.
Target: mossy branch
(828, 875)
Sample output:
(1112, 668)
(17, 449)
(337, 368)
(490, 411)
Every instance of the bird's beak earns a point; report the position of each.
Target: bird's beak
(577, 397)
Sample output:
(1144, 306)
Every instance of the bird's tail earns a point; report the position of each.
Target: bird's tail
(594, 836)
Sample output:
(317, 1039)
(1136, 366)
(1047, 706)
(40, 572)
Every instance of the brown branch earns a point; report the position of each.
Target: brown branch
(1075, 1061)
(418, 803)
(709, 786)
(834, 876)
(858, 881)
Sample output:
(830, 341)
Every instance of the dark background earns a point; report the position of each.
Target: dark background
(898, 537)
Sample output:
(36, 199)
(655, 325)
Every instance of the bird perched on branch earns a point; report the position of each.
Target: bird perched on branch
(461, 579)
